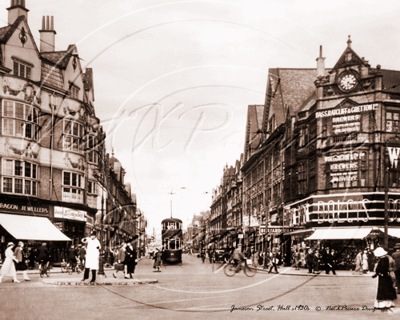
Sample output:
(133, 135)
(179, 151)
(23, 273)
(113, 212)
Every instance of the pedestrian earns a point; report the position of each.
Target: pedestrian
(157, 260)
(72, 254)
(371, 261)
(20, 264)
(261, 259)
(396, 258)
(386, 292)
(296, 256)
(359, 262)
(331, 262)
(365, 261)
(92, 256)
(82, 255)
(43, 257)
(310, 259)
(120, 258)
(302, 257)
(32, 257)
(8, 268)
(131, 259)
(256, 257)
(274, 262)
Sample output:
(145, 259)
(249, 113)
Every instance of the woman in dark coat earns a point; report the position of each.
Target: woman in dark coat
(20, 264)
(386, 293)
(157, 260)
(130, 258)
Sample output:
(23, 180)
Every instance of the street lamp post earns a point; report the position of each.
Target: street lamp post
(101, 261)
(386, 218)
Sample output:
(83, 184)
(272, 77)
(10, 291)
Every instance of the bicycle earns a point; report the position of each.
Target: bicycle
(73, 267)
(44, 268)
(232, 268)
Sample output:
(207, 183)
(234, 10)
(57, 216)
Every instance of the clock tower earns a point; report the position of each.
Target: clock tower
(350, 75)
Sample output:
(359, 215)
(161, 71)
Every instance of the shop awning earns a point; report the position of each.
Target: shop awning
(393, 232)
(339, 234)
(300, 231)
(31, 228)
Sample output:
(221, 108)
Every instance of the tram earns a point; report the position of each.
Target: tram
(172, 240)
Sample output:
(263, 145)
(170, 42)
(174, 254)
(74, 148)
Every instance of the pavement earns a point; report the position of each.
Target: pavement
(62, 278)
(304, 272)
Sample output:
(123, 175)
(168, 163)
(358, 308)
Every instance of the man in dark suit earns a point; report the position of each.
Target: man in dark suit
(331, 262)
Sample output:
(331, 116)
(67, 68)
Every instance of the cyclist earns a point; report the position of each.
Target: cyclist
(238, 256)
(72, 254)
(203, 254)
(43, 258)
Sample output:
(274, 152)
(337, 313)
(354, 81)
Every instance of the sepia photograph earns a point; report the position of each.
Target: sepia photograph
(199, 159)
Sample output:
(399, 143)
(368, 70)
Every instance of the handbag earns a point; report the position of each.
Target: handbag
(119, 267)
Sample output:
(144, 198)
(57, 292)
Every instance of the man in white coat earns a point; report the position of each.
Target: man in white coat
(92, 256)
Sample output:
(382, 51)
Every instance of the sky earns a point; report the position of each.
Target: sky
(173, 79)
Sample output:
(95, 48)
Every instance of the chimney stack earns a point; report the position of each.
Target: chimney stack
(47, 34)
(320, 64)
(17, 9)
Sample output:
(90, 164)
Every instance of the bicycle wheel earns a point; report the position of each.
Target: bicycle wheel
(249, 271)
(230, 269)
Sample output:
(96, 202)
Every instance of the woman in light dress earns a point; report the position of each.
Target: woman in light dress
(8, 268)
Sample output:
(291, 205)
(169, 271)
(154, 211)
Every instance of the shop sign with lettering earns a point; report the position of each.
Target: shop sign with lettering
(346, 111)
(341, 211)
(349, 209)
(346, 120)
(7, 205)
(394, 153)
(278, 230)
(70, 214)
(344, 167)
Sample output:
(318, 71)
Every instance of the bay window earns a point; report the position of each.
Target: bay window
(73, 132)
(19, 177)
(20, 120)
(72, 189)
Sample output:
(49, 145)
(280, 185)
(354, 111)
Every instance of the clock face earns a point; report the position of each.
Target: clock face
(348, 82)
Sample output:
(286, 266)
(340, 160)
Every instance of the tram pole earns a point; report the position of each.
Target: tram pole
(386, 221)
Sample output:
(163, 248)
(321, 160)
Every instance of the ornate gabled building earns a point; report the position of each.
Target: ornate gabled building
(318, 163)
(50, 137)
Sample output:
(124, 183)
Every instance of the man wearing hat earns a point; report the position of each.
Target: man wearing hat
(396, 257)
(92, 256)
(8, 268)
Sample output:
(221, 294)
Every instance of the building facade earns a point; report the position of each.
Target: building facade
(320, 162)
(49, 137)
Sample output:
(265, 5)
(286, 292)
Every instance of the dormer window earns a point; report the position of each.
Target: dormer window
(74, 91)
(22, 69)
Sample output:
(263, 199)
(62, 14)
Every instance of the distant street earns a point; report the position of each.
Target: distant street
(192, 291)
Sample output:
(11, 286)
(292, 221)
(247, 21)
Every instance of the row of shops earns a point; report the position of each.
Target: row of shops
(346, 241)
(35, 222)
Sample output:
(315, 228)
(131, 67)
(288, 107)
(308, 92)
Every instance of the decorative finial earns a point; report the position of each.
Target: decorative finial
(349, 42)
